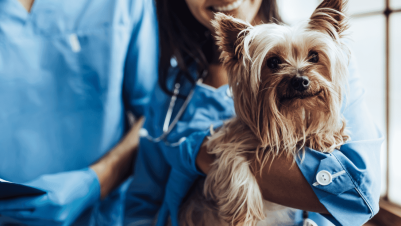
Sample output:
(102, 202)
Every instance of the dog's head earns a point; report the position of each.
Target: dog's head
(287, 82)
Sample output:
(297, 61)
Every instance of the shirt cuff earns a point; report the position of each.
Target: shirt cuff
(93, 186)
(138, 106)
(335, 188)
(189, 150)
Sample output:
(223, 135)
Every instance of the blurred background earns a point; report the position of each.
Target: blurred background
(376, 45)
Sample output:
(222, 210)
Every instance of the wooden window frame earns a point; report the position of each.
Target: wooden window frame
(389, 213)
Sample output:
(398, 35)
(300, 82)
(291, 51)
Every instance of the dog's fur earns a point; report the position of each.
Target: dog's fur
(271, 117)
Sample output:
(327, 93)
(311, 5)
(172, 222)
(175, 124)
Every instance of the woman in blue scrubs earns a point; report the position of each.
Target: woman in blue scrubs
(192, 95)
(69, 72)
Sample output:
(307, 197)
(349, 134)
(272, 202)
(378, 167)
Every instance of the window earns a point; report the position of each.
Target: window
(394, 124)
(380, 62)
(376, 45)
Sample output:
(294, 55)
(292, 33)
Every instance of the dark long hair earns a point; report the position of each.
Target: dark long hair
(183, 37)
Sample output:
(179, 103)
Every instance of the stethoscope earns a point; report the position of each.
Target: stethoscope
(167, 127)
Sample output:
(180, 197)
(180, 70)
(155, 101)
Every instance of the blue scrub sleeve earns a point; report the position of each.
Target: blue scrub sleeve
(146, 192)
(353, 197)
(185, 159)
(68, 194)
(182, 176)
(156, 181)
(141, 66)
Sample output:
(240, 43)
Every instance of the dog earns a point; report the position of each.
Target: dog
(288, 84)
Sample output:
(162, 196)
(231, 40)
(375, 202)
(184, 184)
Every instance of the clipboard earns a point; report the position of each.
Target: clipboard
(14, 190)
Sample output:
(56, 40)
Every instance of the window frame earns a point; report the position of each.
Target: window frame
(390, 213)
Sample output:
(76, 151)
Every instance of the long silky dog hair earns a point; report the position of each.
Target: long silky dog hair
(288, 84)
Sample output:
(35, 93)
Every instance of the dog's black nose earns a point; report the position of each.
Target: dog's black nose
(300, 83)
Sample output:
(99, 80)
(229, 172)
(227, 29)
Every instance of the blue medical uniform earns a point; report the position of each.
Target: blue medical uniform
(165, 173)
(69, 72)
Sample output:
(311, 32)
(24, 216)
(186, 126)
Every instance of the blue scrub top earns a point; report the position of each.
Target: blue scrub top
(69, 71)
(165, 173)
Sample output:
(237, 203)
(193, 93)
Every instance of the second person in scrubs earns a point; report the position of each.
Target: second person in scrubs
(171, 159)
(70, 70)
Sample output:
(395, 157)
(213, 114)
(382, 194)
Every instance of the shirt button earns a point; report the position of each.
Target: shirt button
(324, 178)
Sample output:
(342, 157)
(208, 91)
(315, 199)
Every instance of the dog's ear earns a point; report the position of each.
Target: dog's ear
(229, 35)
(330, 17)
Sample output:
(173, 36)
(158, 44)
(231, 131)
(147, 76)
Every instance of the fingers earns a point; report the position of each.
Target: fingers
(139, 123)
(18, 214)
(19, 204)
(132, 136)
(16, 204)
(25, 217)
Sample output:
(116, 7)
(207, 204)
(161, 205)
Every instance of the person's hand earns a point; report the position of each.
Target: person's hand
(116, 166)
(204, 159)
(68, 194)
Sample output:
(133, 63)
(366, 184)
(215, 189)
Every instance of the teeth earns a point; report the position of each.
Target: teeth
(229, 7)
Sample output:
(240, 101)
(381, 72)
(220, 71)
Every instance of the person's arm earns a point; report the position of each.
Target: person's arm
(352, 198)
(281, 183)
(113, 168)
(70, 193)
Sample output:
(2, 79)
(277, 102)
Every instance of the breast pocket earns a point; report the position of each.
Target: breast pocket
(89, 62)
(89, 58)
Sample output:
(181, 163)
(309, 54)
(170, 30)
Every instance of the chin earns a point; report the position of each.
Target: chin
(246, 10)
(288, 84)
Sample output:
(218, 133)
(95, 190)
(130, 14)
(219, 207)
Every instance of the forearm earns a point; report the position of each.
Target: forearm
(116, 166)
(280, 181)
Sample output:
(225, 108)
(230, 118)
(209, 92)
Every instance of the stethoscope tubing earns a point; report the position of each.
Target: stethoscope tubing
(167, 127)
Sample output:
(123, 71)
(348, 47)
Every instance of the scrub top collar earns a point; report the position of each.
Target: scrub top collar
(45, 17)
(15, 8)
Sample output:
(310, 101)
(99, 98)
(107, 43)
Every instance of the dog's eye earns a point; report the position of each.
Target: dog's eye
(313, 57)
(273, 62)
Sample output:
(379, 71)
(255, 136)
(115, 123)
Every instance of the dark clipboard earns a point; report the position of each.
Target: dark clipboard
(10, 190)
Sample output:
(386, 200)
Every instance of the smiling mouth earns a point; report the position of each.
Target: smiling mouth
(227, 8)
(301, 96)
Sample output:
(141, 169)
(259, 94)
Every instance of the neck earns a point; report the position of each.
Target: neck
(27, 4)
(217, 75)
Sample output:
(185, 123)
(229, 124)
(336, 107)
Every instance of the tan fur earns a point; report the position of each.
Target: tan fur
(271, 118)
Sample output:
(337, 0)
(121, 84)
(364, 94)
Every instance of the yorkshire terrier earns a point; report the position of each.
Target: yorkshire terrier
(288, 84)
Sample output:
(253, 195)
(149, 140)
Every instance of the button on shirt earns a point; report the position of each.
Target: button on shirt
(163, 177)
(68, 72)
(324, 178)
